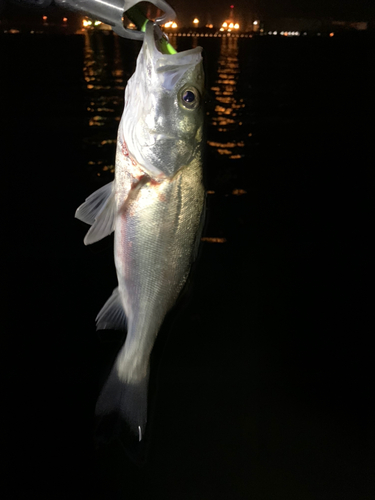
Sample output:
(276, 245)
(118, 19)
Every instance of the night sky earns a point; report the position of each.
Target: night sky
(343, 9)
(248, 10)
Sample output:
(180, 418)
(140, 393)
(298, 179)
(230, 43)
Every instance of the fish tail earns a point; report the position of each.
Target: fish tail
(122, 401)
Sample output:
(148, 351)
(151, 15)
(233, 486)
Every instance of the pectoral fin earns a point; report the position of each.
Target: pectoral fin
(98, 211)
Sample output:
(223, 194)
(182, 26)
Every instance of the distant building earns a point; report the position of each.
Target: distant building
(299, 25)
(345, 25)
(310, 26)
(231, 23)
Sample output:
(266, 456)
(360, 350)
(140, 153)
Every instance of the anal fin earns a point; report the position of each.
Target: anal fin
(112, 315)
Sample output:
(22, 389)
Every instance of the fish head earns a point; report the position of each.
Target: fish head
(162, 123)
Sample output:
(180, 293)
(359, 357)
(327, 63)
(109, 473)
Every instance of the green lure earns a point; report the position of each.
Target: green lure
(140, 20)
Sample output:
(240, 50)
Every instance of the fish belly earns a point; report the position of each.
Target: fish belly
(155, 238)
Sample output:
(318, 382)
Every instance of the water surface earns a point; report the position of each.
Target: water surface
(261, 378)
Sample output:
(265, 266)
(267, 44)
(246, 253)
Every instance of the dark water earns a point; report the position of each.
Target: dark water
(263, 375)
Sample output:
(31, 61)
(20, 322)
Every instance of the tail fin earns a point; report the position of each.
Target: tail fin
(121, 402)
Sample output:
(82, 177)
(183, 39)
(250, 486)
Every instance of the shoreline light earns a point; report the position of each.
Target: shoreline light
(230, 26)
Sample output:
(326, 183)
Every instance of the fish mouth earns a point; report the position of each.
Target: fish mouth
(152, 37)
(170, 68)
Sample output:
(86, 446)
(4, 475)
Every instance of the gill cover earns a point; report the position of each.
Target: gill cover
(163, 116)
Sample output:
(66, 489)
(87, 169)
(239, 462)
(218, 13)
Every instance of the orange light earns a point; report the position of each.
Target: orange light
(225, 25)
(213, 240)
(65, 19)
(196, 21)
(44, 18)
(331, 34)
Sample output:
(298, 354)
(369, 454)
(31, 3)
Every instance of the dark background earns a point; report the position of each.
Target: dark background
(245, 11)
(262, 378)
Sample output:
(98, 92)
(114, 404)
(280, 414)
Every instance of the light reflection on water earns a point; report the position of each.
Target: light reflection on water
(225, 117)
(105, 83)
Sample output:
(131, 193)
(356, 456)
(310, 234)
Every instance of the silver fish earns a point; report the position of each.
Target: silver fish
(155, 206)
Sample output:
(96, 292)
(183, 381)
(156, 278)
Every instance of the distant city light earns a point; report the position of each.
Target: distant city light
(275, 32)
(209, 25)
(196, 21)
(65, 19)
(44, 18)
(331, 34)
(221, 29)
(231, 25)
(236, 26)
(255, 23)
(213, 240)
(170, 24)
(232, 6)
(225, 25)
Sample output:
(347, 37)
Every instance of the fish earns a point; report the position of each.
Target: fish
(156, 207)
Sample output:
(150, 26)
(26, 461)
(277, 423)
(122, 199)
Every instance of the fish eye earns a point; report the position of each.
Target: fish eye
(190, 98)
